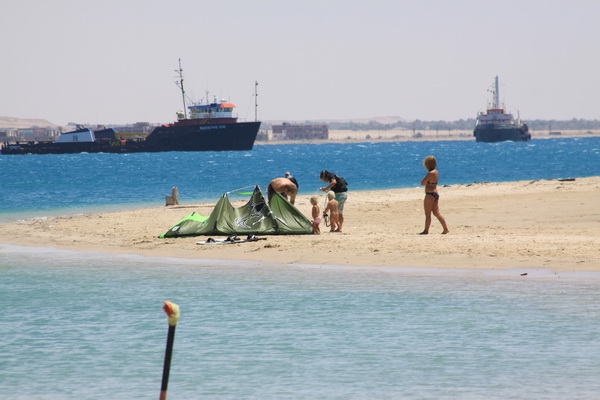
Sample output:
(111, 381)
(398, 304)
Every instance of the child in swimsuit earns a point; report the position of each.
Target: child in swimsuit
(333, 210)
(432, 197)
(316, 214)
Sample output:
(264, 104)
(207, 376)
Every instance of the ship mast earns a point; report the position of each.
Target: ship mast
(179, 83)
(255, 101)
(496, 104)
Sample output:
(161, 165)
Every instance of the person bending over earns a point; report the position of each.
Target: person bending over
(283, 186)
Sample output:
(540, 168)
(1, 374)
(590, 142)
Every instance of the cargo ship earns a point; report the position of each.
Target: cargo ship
(211, 126)
(496, 125)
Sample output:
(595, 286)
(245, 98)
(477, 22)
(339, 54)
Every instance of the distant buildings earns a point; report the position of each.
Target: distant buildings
(138, 127)
(50, 134)
(288, 131)
(34, 134)
(8, 134)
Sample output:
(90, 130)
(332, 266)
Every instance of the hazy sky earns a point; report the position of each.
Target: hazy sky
(113, 61)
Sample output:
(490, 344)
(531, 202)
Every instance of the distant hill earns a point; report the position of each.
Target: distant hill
(24, 123)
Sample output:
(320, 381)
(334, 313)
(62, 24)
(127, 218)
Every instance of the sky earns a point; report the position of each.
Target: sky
(114, 61)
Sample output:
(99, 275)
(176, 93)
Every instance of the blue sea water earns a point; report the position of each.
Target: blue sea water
(43, 184)
(90, 326)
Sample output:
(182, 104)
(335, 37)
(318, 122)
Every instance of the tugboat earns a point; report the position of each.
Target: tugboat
(496, 125)
(210, 127)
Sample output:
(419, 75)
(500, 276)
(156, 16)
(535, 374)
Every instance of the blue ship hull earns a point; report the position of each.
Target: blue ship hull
(491, 134)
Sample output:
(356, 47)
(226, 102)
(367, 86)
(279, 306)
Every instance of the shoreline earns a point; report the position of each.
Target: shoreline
(549, 224)
(55, 254)
(398, 135)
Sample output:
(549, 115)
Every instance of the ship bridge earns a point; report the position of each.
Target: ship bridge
(494, 115)
(212, 110)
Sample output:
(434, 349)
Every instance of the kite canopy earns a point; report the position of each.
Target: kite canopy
(279, 217)
(186, 227)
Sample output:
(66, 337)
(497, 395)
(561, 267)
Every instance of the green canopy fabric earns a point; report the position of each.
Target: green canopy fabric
(186, 227)
(279, 217)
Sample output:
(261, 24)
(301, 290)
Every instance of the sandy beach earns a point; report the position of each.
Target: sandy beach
(552, 224)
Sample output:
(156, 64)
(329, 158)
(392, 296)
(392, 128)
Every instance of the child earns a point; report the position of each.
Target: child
(333, 208)
(316, 214)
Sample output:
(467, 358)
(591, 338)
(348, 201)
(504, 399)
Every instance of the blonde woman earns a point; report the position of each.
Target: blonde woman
(432, 197)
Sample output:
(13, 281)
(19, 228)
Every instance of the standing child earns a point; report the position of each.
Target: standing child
(316, 214)
(333, 209)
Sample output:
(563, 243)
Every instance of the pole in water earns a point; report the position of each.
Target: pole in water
(172, 311)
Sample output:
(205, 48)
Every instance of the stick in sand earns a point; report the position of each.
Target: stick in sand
(172, 311)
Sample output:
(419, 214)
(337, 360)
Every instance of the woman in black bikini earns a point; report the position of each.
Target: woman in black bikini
(432, 197)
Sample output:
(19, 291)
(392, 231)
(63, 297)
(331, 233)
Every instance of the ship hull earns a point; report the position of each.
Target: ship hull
(494, 134)
(70, 148)
(205, 137)
(208, 137)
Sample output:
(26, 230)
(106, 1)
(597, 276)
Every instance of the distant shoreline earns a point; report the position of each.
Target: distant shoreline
(342, 136)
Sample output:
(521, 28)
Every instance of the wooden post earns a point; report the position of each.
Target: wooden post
(173, 199)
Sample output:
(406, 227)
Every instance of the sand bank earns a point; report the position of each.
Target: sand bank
(529, 224)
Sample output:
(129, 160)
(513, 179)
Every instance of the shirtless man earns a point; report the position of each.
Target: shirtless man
(284, 187)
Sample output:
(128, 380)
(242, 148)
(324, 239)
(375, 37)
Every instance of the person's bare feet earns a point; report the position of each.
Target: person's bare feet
(446, 231)
(424, 233)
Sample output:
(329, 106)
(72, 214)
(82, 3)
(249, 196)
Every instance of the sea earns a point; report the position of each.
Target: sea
(84, 325)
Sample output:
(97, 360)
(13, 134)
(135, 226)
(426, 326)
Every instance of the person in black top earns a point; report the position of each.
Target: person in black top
(340, 188)
(291, 178)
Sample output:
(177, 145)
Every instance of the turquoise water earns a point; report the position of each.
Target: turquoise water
(91, 326)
